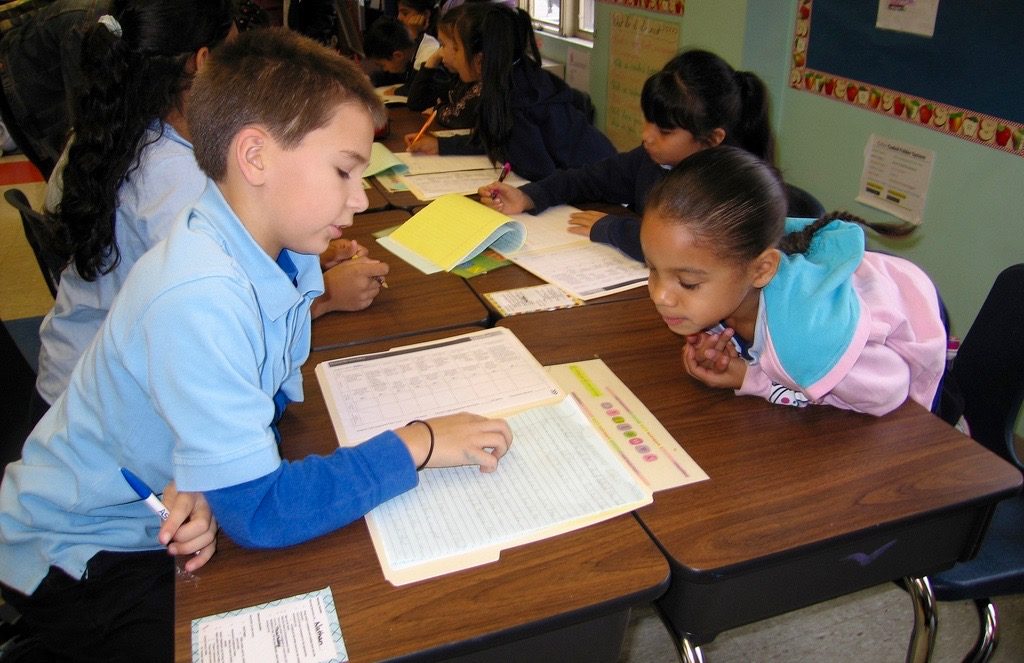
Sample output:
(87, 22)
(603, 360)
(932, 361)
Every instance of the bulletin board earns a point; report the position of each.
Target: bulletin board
(962, 80)
(640, 46)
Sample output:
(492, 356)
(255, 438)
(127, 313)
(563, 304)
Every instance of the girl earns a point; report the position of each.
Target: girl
(527, 116)
(129, 170)
(696, 101)
(797, 318)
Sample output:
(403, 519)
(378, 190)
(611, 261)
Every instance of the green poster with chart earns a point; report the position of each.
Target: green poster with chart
(640, 46)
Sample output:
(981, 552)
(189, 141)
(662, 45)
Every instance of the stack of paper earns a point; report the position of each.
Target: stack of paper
(582, 268)
(560, 474)
(450, 231)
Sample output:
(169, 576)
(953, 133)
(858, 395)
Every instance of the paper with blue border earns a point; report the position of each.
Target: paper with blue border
(298, 629)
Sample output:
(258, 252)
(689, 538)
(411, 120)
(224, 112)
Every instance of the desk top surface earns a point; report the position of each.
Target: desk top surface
(412, 303)
(596, 570)
(781, 478)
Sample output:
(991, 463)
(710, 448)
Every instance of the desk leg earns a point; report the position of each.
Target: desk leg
(922, 639)
(688, 652)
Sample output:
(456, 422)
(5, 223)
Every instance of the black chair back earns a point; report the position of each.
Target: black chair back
(989, 366)
(35, 225)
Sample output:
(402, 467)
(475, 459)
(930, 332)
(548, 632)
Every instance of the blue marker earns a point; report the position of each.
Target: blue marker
(146, 493)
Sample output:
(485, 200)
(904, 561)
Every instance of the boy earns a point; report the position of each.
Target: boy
(387, 45)
(201, 351)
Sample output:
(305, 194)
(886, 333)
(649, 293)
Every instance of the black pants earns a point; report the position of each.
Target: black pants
(123, 610)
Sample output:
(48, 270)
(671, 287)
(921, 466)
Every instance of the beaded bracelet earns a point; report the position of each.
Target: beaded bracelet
(430, 451)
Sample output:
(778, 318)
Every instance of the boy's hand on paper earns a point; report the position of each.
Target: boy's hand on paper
(504, 198)
(351, 285)
(712, 363)
(191, 528)
(340, 250)
(425, 145)
(580, 223)
(459, 439)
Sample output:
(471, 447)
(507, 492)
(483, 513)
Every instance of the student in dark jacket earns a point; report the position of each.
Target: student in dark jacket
(696, 101)
(527, 116)
(39, 64)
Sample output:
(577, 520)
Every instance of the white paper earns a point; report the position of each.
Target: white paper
(417, 163)
(299, 629)
(429, 186)
(557, 471)
(546, 297)
(548, 229)
(896, 178)
(587, 270)
(486, 372)
(913, 16)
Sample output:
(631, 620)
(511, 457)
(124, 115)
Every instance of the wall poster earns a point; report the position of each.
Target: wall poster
(640, 46)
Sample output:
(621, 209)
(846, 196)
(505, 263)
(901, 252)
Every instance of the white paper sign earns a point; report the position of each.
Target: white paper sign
(913, 16)
(896, 177)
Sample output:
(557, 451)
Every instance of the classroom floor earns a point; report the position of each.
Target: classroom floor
(871, 625)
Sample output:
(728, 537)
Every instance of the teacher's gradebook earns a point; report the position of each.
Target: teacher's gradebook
(560, 473)
(450, 231)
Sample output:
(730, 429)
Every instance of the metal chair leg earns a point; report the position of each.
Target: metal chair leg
(922, 639)
(688, 652)
(988, 633)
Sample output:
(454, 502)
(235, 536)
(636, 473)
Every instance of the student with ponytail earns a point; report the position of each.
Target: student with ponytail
(696, 101)
(791, 310)
(526, 116)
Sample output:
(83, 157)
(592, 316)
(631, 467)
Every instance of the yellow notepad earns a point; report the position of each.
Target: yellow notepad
(450, 231)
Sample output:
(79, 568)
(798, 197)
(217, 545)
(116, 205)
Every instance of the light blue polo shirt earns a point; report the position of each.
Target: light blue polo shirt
(167, 182)
(180, 379)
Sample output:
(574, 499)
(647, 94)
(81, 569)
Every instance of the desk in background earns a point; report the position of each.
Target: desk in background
(402, 121)
(412, 303)
(803, 505)
(565, 598)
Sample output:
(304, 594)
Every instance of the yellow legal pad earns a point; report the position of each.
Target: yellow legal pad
(452, 230)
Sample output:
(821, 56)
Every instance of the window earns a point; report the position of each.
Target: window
(570, 18)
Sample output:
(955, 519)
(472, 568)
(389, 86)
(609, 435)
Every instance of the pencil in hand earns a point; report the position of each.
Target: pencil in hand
(423, 129)
(501, 178)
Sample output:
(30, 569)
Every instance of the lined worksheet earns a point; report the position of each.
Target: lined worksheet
(558, 475)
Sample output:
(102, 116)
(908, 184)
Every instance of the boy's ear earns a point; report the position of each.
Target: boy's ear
(200, 57)
(764, 266)
(248, 151)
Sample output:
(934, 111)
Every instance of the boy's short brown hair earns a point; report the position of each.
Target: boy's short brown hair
(276, 78)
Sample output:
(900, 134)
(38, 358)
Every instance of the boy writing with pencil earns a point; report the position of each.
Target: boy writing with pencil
(200, 353)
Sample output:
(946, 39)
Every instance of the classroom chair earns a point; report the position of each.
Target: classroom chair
(35, 223)
(989, 375)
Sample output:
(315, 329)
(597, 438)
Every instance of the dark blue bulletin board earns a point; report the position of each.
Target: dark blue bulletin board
(973, 66)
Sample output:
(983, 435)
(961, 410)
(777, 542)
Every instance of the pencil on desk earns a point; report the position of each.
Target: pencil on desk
(423, 129)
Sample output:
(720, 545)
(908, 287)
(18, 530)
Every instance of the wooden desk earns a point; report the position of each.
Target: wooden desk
(412, 303)
(565, 598)
(798, 499)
